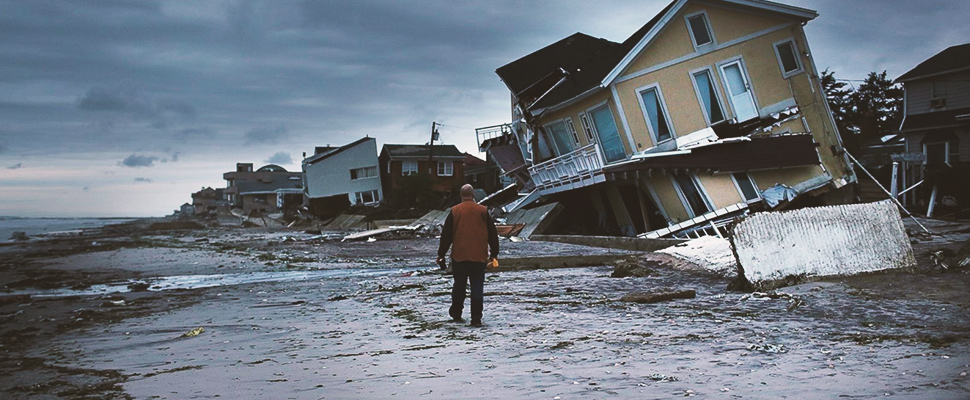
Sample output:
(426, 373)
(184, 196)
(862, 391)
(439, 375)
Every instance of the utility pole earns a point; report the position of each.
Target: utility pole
(434, 136)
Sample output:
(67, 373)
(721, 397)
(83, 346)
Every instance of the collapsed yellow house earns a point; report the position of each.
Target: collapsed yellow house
(712, 109)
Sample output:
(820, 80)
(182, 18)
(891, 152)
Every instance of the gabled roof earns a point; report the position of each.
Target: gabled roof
(954, 58)
(578, 64)
(420, 151)
(321, 156)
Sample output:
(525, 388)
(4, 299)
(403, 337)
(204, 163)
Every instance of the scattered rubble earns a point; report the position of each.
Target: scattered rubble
(632, 266)
(19, 236)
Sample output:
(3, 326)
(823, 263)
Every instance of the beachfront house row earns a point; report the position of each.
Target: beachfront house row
(269, 189)
(710, 109)
(337, 177)
(936, 127)
(442, 164)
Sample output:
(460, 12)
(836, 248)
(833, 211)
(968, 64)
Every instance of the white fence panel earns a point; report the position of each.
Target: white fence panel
(822, 241)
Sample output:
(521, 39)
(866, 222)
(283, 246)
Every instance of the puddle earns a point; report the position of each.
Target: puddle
(183, 282)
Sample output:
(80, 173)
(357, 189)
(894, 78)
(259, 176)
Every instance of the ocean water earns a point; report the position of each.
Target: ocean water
(44, 226)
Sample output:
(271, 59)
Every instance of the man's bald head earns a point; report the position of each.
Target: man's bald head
(467, 192)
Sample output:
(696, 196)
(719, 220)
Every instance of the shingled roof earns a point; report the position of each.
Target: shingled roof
(582, 59)
(420, 151)
(954, 58)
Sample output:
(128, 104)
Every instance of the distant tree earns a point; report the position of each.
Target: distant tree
(840, 102)
(877, 106)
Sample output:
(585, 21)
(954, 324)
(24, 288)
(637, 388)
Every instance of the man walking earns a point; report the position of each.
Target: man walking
(470, 233)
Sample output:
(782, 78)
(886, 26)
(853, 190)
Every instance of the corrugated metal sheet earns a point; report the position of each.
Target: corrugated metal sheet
(822, 241)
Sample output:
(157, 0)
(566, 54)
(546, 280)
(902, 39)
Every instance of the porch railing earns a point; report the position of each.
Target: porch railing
(491, 132)
(582, 167)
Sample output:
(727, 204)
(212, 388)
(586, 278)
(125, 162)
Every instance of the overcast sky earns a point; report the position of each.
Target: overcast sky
(124, 108)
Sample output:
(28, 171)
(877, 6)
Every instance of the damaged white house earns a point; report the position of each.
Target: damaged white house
(711, 109)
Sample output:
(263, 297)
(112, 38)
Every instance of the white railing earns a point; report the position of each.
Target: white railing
(582, 167)
(491, 132)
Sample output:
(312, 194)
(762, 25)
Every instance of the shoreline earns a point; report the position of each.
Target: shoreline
(549, 332)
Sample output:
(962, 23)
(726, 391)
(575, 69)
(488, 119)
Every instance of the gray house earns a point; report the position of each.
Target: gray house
(337, 177)
(936, 126)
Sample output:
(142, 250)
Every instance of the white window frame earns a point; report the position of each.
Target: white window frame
(375, 195)
(795, 54)
(663, 105)
(362, 169)
(409, 171)
(588, 127)
(710, 31)
(588, 115)
(700, 189)
(741, 192)
(572, 130)
(717, 93)
(946, 157)
(446, 168)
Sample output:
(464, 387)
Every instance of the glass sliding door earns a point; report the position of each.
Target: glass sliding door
(608, 134)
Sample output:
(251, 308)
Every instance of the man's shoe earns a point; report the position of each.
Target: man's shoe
(477, 324)
(458, 319)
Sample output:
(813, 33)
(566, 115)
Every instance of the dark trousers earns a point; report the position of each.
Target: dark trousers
(464, 272)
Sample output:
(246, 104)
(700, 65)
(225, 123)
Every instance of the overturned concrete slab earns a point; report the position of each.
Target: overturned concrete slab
(775, 248)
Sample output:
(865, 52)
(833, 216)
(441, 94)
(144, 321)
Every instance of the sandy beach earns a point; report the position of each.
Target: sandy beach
(234, 313)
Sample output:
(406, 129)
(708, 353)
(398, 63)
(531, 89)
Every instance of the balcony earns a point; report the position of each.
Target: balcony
(491, 132)
(581, 168)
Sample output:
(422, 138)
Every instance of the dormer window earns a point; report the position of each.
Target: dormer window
(700, 30)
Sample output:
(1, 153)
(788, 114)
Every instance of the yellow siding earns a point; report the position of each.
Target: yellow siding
(720, 189)
(730, 24)
(788, 176)
(664, 188)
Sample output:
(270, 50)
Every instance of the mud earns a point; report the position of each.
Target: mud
(549, 333)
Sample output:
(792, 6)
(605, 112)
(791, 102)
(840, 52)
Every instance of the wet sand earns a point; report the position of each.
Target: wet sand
(549, 333)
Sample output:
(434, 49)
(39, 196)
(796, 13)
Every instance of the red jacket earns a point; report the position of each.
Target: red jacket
(470, 233)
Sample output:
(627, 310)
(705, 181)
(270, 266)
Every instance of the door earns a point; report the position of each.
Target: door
(739, 90)
(608, 134)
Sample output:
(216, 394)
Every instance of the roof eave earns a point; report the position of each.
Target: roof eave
(924, 76)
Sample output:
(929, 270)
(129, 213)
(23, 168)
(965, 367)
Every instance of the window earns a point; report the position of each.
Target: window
(938, 96)
(700, 30)
(655, 114)
(587, 127)
(708, 96)
(560, 137)
(446, 168)
(692, 196)
(936, 153)
(609, 135)
(409, 167)
(361, 173)
(787, 55)
(368, 197)
(749, 192)
(572, 130)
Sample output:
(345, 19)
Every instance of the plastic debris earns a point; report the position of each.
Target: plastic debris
(193, 333)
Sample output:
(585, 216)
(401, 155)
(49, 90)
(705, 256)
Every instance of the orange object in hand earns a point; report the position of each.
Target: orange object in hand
(492, 264)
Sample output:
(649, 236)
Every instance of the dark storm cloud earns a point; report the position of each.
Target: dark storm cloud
(265, 135)
(280, 158)
(16, 166)
(136, 160)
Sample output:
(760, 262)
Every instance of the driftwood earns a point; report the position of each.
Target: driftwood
(658, 296)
